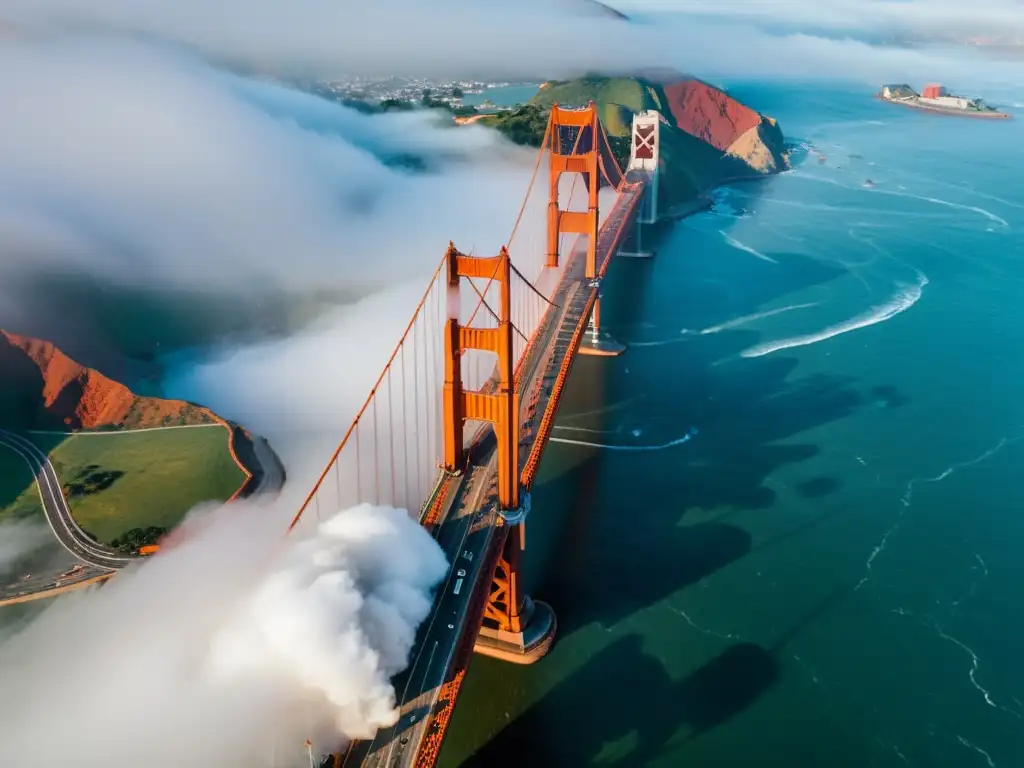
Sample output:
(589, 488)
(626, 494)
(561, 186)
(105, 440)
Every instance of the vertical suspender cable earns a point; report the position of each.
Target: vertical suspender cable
(416, 410)
(359, 467)
(391, 437)
(376, 456)
(433, 396)
(405, 431)
(337, 485)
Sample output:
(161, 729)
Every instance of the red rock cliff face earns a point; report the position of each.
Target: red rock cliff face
(44, 387)
(708, 113)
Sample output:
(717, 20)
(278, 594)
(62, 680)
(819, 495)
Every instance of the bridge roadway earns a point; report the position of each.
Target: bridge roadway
(469, 527)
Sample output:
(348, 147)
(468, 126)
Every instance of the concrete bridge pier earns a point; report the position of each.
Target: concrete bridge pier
(598, 343)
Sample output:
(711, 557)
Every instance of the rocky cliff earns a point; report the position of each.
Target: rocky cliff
(42, 388)
(716, 118)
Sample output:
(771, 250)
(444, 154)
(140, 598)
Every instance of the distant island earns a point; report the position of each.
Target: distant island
(128, 467)
(937, 100)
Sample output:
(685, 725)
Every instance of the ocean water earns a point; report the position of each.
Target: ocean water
(785, 527)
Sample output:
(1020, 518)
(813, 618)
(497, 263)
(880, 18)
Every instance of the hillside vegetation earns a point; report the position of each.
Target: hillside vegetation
(122, 481)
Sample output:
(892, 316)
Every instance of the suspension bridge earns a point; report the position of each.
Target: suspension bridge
(455, 426)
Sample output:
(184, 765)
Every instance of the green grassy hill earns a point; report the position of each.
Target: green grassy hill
(617, 98)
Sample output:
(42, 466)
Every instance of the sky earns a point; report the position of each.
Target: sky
(921, 17)
(866, 42)
(390, 37)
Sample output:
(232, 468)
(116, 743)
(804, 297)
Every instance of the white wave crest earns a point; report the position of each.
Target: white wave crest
(746, 248)
(900, 302)
(735, 322)
(757, 316)
(690, 434)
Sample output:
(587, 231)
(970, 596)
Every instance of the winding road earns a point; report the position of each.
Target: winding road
(58, 513)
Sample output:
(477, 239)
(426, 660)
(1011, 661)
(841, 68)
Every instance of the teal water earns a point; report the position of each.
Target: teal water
(505, 96)
(828, 572)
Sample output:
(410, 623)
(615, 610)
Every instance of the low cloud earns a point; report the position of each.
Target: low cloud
(888, 18)
(19, 538)
(447, 38)
(150, 167)
(229, 650)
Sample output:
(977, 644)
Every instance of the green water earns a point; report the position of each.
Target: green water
(828, 573)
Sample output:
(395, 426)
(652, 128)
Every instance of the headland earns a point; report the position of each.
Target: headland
(708, 137)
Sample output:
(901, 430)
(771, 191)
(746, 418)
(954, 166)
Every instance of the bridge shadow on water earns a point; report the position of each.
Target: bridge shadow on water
(624, 707)
(623, 694)
(625, 542)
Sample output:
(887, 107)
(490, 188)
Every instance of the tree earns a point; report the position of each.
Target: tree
(129, 542)
(389, 104)
(457, 93)
(526, 125)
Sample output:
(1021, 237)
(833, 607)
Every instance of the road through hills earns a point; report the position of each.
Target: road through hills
(58, 513)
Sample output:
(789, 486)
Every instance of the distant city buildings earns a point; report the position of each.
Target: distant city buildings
(377, 90)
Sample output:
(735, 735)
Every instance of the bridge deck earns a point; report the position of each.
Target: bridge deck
(470, 529)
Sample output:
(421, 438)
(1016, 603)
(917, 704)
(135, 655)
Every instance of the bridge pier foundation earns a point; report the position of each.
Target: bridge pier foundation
(514, 628)
(530, 644)
(596, 342)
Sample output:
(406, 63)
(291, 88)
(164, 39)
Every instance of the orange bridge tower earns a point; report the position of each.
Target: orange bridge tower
(514, 628)
(579, 151)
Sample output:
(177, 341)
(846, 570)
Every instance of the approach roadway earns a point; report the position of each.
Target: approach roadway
(58, 513)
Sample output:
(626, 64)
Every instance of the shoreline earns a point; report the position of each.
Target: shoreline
(705, 200)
